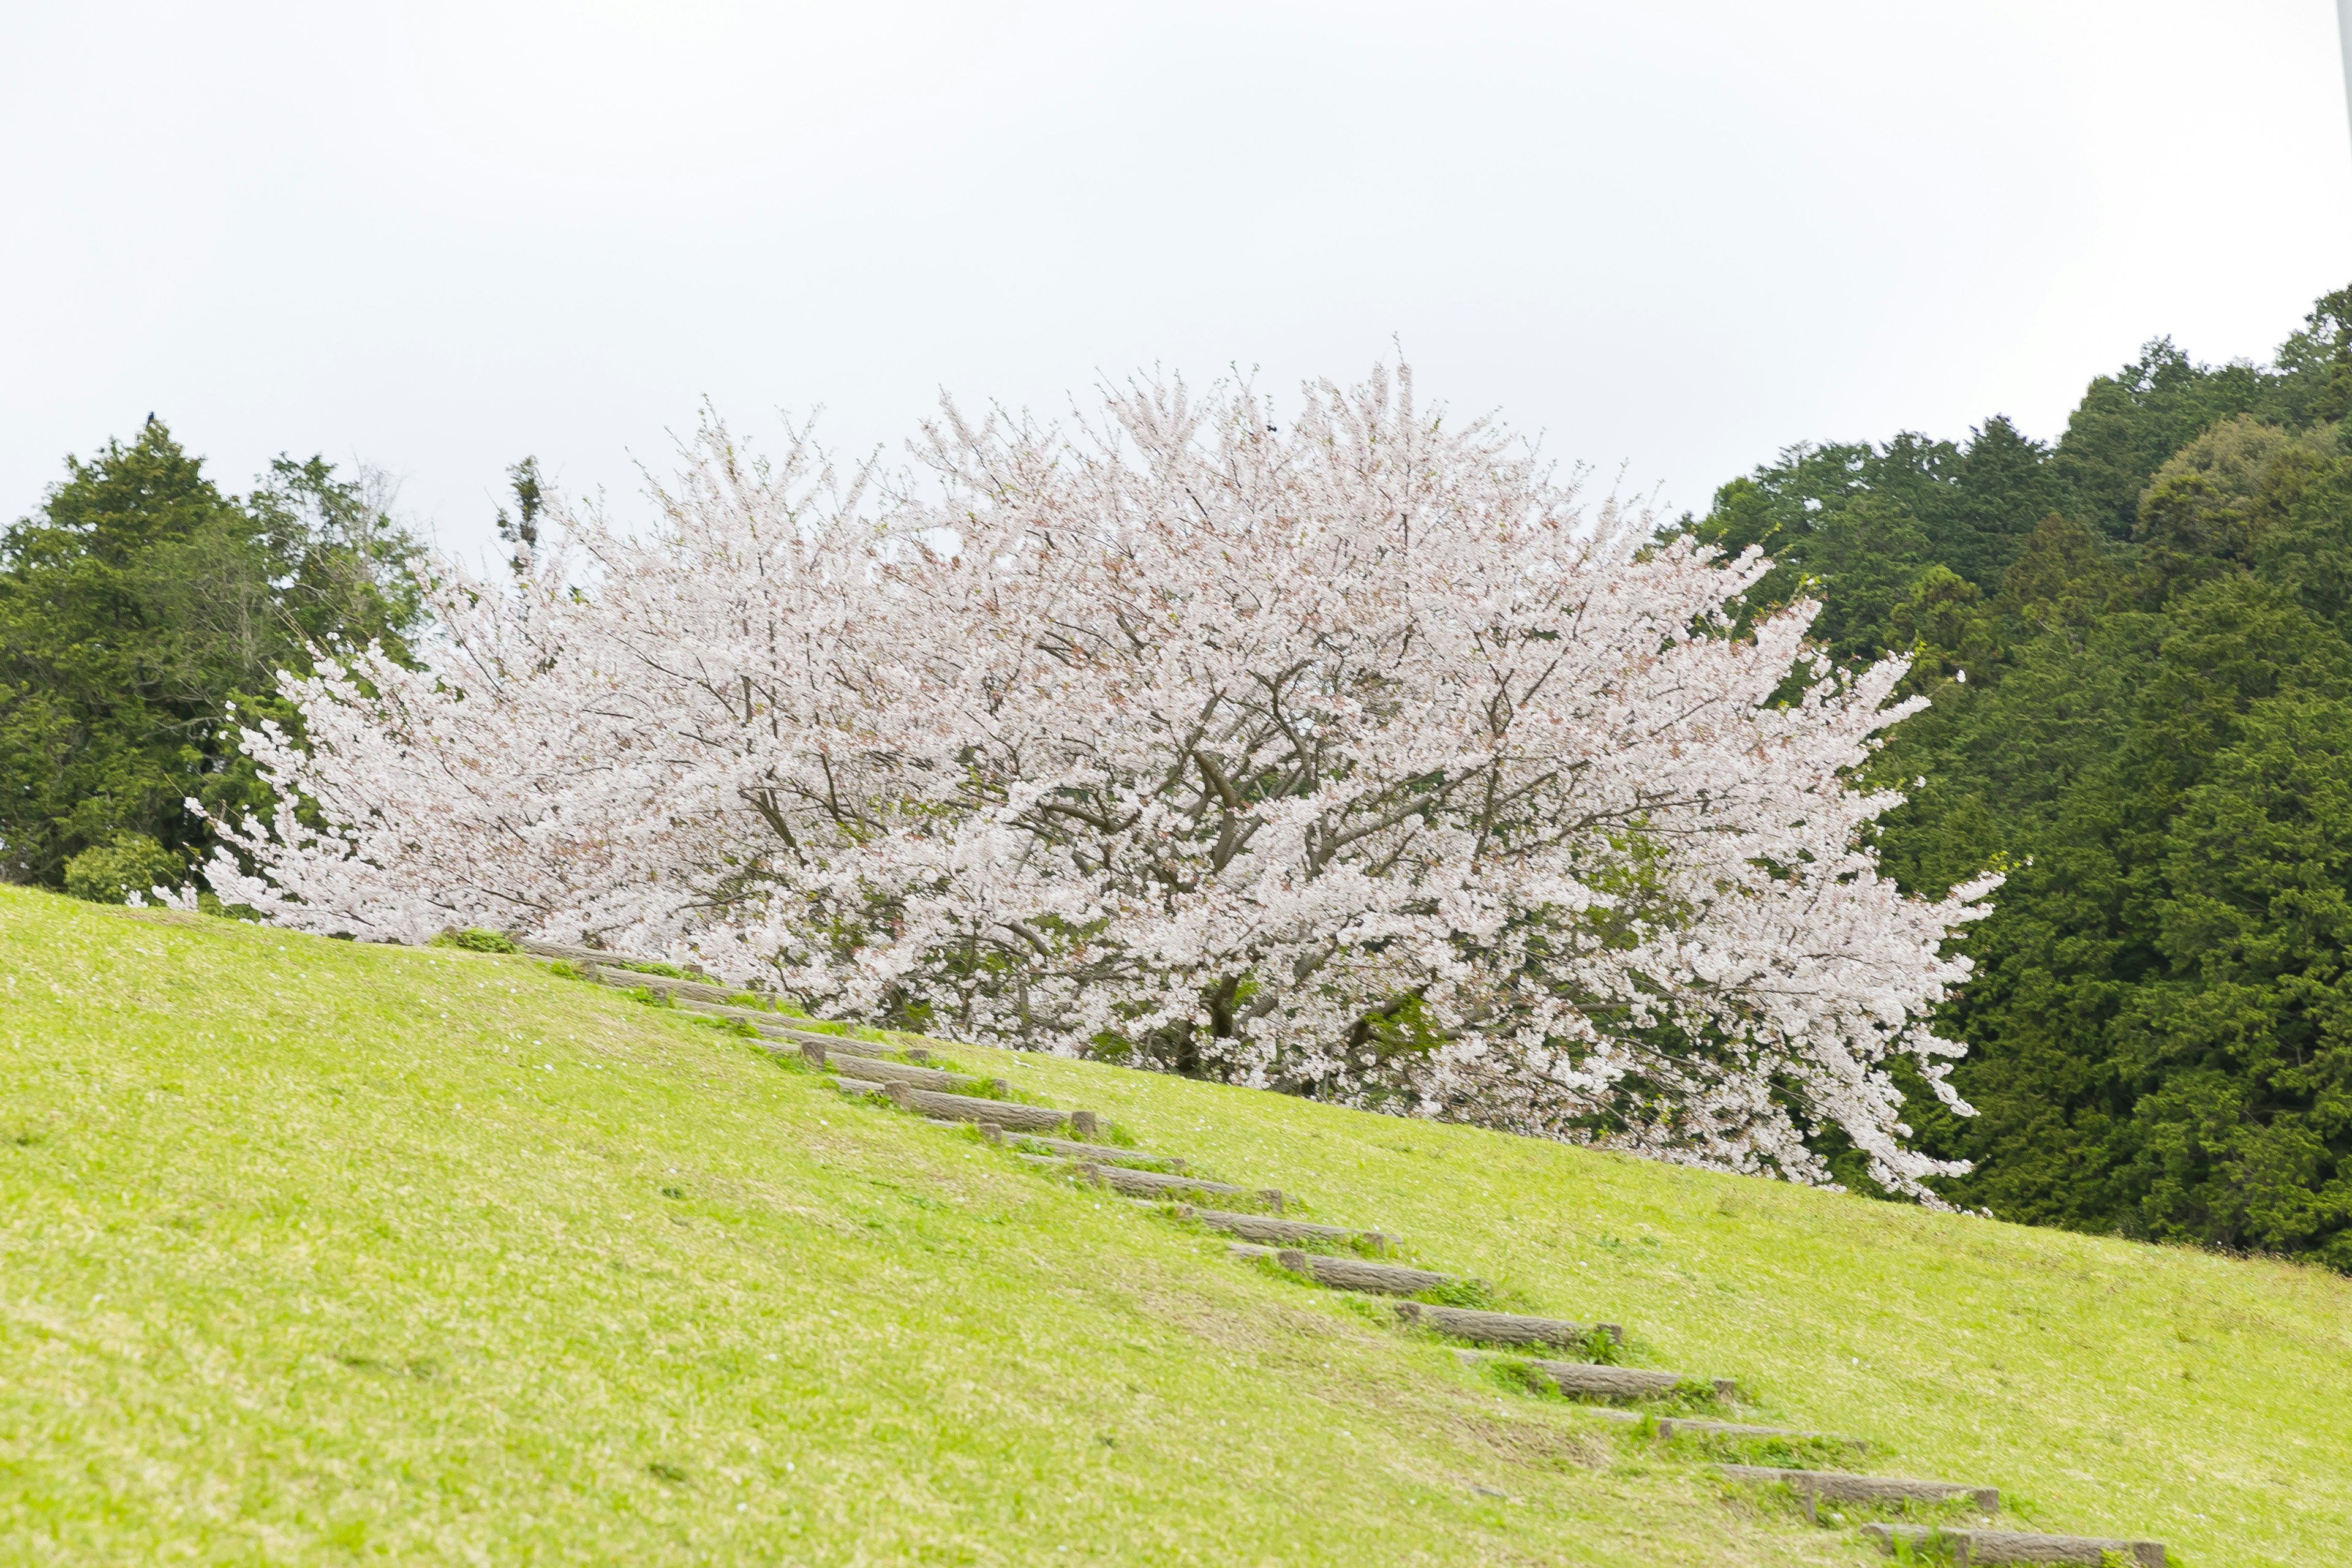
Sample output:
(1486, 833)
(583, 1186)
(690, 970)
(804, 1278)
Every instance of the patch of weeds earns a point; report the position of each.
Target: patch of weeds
(1271, 1265)
(27, 1140)
(1775, 1498)
(1518, 1376)
(473, 939)
(992, 1089)
(1795, 1452)
(565, 969)
(1112, 1133)
(651, 998)
(785, 1059)
(673, 1191)
(1935, 1548)
(1473, 1295)
(662, 1472)
(1692, 1397)
(1690, 1400)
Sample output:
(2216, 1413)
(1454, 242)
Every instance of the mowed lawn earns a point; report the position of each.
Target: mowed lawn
(319, 1252)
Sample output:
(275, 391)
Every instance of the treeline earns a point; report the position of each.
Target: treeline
(137, 607)
(2138, 646)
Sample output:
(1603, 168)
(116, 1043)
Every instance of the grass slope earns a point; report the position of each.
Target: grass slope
(320, 1253)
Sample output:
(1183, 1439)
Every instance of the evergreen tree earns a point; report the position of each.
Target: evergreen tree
(2139, 649)
(135, 608)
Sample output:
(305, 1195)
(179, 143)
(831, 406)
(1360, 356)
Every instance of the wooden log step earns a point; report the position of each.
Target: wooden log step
(1840, 1486)
(780, 1027)
(662, 986)
(1973, 1546)
(1101, 1153)
(836, 1044)
(1004, 1113)
(776, 1026)
(1591, 1380)
(858, 1086)
(1156, 1184)
(1501, 1328)
(1348, 1273)
(877, 1067)
(1258, 1228)
(1687, 1426)
(571, 953)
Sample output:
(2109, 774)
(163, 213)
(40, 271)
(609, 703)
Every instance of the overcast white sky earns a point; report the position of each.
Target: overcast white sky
(1670, 238)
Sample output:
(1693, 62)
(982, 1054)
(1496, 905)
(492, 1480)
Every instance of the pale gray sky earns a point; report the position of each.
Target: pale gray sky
(1669, 237)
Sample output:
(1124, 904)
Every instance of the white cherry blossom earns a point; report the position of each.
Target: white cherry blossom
(1355, 759)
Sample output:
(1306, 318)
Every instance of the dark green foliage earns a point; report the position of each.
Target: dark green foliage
(1899, 541)
(475, 939)
(135, 609)
(131, 864)
(2154, 740)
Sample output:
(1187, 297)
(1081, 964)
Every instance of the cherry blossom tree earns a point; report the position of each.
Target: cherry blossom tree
(1356, 759)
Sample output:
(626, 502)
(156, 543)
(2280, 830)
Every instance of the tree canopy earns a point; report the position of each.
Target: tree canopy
(137, 608)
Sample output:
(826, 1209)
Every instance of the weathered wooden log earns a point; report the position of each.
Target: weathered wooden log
(860, 1086)
(842, 1045)
(571, 953)
(1838, 1486)
(1101, 1153)
(1348, 1273)
(1258, 1228)
(1974, 1546)
(788, 1027)
(877, 1067)
(972, 1107)
(1155, 1184)
(779, 1026)
(1592, 1381)
(676, 991)
(1501, 1328)
(1684, 1425)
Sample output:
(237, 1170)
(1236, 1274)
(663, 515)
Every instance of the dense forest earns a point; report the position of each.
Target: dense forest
(2136, 641)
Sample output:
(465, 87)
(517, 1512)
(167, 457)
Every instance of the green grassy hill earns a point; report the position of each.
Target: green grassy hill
(316, 1252)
